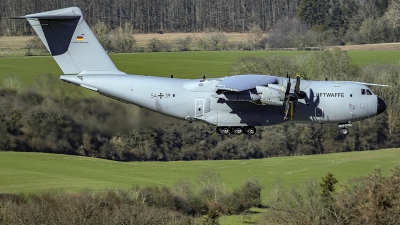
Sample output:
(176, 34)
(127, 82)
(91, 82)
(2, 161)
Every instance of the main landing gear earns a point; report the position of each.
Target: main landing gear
(236, 130)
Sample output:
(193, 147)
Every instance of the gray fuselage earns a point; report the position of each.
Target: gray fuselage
(325, 101)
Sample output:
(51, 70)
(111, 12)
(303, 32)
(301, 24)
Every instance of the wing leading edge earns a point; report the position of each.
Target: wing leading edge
(245, 82)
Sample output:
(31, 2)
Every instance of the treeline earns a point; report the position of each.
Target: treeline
(52, 116)
(372, 199)
(156, 15)
(295, 23)
(184, 203)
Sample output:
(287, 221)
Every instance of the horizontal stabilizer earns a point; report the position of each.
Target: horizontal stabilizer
(48, 17)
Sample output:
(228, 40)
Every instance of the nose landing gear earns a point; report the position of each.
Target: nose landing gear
(344, 131)
(343, 128)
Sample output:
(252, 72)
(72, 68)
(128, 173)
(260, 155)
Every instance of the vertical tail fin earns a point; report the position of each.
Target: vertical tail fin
(71, 42)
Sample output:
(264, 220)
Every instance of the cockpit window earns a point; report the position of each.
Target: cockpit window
(366, 92)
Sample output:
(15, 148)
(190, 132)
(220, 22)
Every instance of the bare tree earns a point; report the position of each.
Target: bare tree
(290, 33)
(254, 36)
(209, 181)
(393, 13)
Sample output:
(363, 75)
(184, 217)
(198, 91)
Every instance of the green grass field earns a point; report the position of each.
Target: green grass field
(36, 172)
(180, 64)
(187, 64)
(363, 58)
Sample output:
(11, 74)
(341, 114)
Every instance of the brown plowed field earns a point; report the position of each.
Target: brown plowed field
(372, 47)
(142, 40)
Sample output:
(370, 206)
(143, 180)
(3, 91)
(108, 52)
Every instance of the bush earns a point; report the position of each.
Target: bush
(156, 45)
(122, 40)
(373, 199)
(35, 47)
(184, 43)
(148, 205)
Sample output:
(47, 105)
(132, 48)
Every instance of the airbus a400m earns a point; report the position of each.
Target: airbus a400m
(234, 104)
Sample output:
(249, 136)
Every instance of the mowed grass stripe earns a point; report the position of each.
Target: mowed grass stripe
(27, 68)
(36, 172)
(186, 64)
(180, 64)
(362, 58)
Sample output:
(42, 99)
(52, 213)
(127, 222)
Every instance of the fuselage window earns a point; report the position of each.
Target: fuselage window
(363, 91)
(369, 92)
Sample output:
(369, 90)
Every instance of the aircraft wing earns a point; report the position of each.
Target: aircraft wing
(369, 84)
(245, 82)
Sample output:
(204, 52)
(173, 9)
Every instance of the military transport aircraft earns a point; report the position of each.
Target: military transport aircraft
(234, 104)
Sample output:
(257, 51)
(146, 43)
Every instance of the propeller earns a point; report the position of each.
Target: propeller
(292, 97)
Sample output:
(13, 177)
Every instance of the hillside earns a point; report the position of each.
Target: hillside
(37, 172)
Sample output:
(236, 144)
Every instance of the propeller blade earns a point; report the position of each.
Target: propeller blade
(302, 95)
(292, 110)
(287, 96)
(288, 86)
(286, 107)
(297, 87)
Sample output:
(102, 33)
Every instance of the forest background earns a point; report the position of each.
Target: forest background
(310, 22)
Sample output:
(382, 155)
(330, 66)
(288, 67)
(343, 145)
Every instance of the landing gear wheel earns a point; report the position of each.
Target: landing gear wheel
(223, 130)
(237, 130)
(344, 131)
(250, 130)
(217, 130)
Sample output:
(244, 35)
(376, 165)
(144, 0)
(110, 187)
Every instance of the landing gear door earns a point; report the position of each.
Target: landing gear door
(199, 107)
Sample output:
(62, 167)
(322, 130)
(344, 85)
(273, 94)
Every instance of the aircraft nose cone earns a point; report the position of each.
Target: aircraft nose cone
(381, 106)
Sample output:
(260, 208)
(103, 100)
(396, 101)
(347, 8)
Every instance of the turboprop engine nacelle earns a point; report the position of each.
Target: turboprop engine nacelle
(271, 95)
(239, 96)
